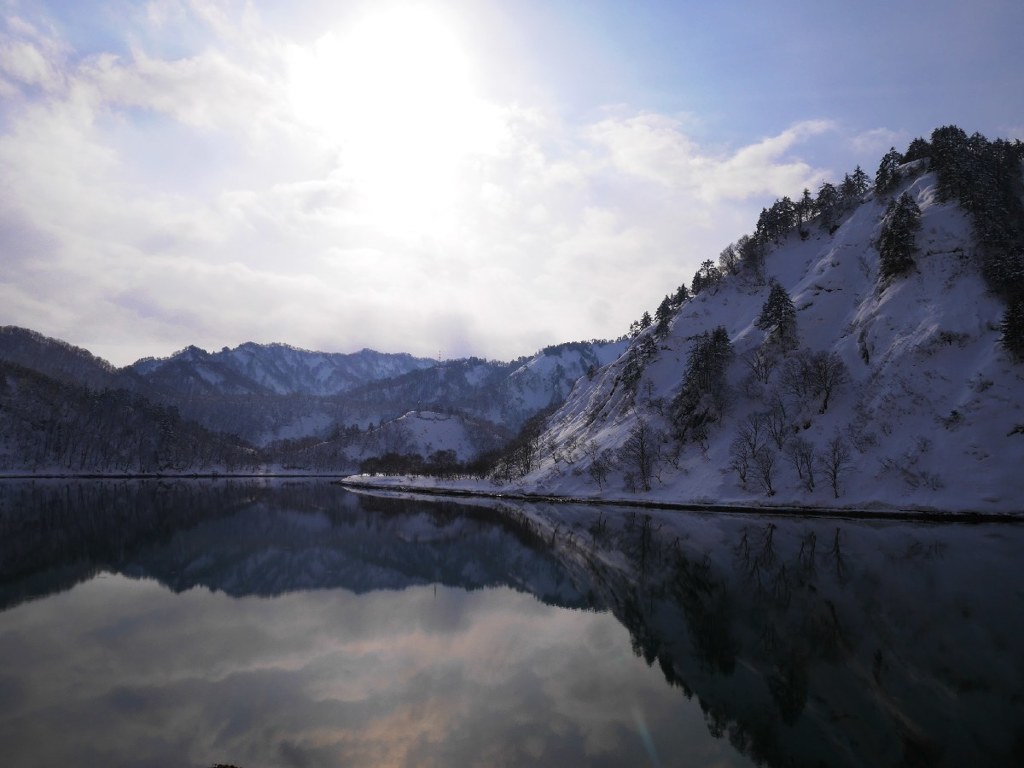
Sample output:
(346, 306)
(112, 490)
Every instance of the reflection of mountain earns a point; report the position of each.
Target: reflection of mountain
(252, 538)
(806, 642)
(819, 642)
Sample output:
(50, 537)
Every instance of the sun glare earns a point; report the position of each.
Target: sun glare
(396, 92)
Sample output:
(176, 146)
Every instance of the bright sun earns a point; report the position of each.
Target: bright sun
(397, 92)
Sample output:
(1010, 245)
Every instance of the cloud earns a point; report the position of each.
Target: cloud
(327, 677)
(653, 147)
(877, 141)
(24, 63)
(183, 200)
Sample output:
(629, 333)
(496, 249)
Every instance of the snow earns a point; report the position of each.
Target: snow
(282, 369)
(932, 399)
(424, 432)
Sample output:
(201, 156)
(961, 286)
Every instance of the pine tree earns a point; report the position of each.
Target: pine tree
(778, 316)
(752, 252)
(888, 175)
(950, 160)
(682, 294)
(860, 180)
(663, 314)
(707, 276)
(917, 150)
(704, 392)
(896, 244)
(848, 190)
(826, 205)
(1012, 328)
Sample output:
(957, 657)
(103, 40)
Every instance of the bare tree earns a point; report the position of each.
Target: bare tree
(800, 453)
(764, 461)
(777, 421)
(740, 458)
(813, 374)
(836, 461)
(752, 431)
(761, 362)
(829, 373)
(750, 439)
(600, 465)
(642, 452)
(729, 260)
(797, 379)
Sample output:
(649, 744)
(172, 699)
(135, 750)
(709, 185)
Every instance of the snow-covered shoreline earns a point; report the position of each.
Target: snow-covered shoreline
(484, 489)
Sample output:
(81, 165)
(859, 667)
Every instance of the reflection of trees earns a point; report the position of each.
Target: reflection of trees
(802, 643)
(55, 534)
(788, 639)
(259, 537)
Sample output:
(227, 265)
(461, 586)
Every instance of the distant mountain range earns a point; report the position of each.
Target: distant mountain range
(272, 369)
(259, 407)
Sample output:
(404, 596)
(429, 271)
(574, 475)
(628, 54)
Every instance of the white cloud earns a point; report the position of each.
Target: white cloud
(877, 141)
(183, 201)
(653, 147)
(26, 64)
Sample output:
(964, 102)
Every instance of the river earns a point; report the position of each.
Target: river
(294, 623)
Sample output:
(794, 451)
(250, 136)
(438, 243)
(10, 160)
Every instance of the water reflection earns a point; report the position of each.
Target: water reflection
(301, 626)
(821, 642)
(296, 624)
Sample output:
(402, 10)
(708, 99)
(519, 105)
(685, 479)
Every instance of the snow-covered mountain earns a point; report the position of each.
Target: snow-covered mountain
(453, 412)
(897, 388)
(506, 394)
(280, 369)
(306, 410)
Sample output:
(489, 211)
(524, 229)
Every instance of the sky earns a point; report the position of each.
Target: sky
(441, 177)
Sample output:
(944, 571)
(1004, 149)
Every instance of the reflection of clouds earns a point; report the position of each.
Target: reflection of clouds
(127, 672)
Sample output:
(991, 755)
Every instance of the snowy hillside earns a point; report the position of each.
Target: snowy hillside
(927, 410)
(548, 377)
(273, 369)
(426, 432)
(420, 440)
(506, 394)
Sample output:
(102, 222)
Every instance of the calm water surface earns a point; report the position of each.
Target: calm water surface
(295, 624)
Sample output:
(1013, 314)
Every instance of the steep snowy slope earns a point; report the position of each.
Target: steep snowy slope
(929, 411)
(548, 377)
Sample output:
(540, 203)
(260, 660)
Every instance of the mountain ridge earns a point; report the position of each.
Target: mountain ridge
(927, 409)
(281, 407)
